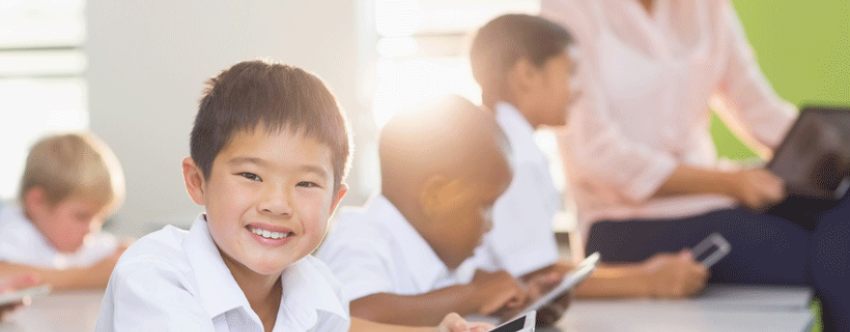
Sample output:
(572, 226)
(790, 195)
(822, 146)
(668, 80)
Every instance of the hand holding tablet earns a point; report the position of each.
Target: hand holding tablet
(557, 294)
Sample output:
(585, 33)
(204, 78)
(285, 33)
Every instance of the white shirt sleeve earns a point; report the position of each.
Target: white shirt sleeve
(753, 102)
(522, 240)
(150, 296)
(361, 265)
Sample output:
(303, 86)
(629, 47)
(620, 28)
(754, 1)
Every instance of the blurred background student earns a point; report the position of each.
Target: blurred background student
(71, 184)
(524, 67)
(642, 163)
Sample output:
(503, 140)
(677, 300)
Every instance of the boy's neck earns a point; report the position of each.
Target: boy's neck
(522, 109)
(418, 221)
(263, 292)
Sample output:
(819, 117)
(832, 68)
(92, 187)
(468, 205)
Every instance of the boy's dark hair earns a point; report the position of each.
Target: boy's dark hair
(500, 43)
(276, 95)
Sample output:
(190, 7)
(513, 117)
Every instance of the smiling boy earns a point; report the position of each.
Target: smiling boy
(269, 150)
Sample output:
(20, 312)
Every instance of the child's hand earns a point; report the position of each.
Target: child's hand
(542, 282)
(549, 314)
(11, 283)
(674, 275)
(454, 323)
(497, 291)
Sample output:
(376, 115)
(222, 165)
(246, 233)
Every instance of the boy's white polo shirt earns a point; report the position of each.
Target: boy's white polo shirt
(22, 243)
(376, 250)
(522, 239)
(173, 280)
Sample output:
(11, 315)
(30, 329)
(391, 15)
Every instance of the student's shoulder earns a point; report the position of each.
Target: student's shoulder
(356, 226)
(158, 250)
(356, 236)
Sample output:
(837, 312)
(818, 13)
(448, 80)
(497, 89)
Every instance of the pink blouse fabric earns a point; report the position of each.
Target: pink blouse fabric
(646, 80)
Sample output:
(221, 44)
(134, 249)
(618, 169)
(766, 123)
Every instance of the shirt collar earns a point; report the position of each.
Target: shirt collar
(304, 288)
(305, 292)
(520, 134)
(219, 292)
(508, 116)
(423, 264)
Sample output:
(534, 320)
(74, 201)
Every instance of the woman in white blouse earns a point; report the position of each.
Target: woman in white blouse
(643, 167)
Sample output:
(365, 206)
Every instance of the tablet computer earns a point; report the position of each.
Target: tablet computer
(814, 157)
(571, 279)
(521, 323)
(23, 295)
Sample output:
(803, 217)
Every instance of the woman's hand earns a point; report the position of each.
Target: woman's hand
(674, 275)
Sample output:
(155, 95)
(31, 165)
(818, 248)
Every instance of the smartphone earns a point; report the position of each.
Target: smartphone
(23, 295)
(523, 323)
(710, 250)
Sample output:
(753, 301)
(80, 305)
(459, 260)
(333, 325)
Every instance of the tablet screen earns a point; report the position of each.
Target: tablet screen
(512, 326)
(571, 279)
(814, 158)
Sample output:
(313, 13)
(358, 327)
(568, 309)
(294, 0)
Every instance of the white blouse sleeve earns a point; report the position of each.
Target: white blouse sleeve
(752, 101)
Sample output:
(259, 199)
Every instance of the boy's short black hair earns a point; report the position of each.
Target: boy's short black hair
(500, 43)
(278, 97)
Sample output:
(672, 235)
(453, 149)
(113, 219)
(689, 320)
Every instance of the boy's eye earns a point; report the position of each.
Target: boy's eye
(307, 184)
(250, 176)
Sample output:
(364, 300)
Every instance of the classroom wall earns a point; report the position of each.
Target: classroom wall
(803, 48)
(149, 59)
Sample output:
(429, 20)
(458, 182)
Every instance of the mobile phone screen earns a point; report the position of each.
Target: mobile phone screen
(711, 250)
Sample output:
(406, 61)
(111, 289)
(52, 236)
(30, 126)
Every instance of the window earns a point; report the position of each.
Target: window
(42, 83)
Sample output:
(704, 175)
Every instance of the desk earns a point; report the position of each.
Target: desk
(66, 311)
(720, 308)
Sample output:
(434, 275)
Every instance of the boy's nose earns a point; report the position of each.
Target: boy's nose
(277, 203)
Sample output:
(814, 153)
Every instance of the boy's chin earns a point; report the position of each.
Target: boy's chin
(269, 270)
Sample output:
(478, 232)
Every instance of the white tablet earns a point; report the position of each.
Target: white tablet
(23, 295)
(521, 323)
(571, 279)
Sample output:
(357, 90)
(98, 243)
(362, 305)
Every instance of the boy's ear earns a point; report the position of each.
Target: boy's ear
(439, 195)
(343, 188)
(523, 75)
(35, 200)
(194, 180)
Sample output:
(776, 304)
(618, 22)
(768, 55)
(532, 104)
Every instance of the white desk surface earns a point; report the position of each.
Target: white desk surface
(721, 308)
(659, 317)
(60, 312)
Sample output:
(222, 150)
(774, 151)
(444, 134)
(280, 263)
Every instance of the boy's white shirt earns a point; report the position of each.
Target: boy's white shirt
(22, 243)
(376, 250)
(174, 280)
(522, 239)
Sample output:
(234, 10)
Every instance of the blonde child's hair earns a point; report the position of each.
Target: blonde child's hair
(74, 165)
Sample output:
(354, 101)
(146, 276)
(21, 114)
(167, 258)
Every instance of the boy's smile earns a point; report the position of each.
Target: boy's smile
(268, 198)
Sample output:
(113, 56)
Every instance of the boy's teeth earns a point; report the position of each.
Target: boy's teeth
(268, 234)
